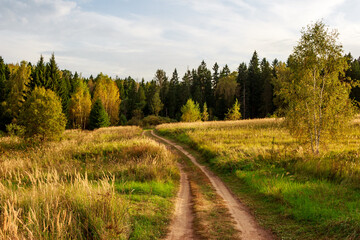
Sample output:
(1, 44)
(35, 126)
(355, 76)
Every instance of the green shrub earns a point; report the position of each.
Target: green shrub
(15, 130)
(153, 120)
(42, 115)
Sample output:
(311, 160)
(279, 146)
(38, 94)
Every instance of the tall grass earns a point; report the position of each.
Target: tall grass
(81, 186)
(319, 194)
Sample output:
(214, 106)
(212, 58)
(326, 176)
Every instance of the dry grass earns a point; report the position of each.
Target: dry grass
(247, 144)
(76, 188)
(316, 195)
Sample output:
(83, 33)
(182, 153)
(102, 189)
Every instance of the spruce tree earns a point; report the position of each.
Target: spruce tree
(267, 106)
(225, 71)
(171, 100)
(38, 76)
(255, 86)
(196, 87)
(243, 93)
(52, 75)
(215, 76)
(98, 116)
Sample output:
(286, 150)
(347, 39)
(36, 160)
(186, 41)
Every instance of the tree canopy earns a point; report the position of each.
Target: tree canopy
(42, 116)
(190, 111)
(317, 101)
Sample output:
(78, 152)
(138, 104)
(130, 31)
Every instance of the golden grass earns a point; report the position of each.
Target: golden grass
(66, 189)
(298, 195)
(248, 143)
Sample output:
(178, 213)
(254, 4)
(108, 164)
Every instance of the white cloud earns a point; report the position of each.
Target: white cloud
(226, 31)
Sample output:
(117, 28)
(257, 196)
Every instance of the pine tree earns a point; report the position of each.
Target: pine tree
(255, 86)
(140, 98)
(38, 76)
(74, 83)
(267, 106)
(225, 71)
(215, 76)
(205, 79)
(185, 87)
(163, 83)
(52, 75)
(171, 100)
(243, 93)
(98, 116)
(196, 87)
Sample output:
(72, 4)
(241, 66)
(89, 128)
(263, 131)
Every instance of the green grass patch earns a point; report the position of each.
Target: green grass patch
(295, 194)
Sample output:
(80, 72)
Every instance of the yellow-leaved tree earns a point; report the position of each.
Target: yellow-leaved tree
(107, 91)
(80, 106)
(316, 101)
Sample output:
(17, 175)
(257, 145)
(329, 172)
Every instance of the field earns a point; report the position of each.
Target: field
(294, 193)
(107, 184)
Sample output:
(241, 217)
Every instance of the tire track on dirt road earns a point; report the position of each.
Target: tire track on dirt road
(182, 223)
(181, 227)
(245, 222)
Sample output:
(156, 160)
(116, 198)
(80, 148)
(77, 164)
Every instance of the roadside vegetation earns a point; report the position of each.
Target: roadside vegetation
(212, 219)
(297, 194)
(110, 183)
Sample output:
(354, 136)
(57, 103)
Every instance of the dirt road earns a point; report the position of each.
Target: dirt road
(245, 222)
(181, 226)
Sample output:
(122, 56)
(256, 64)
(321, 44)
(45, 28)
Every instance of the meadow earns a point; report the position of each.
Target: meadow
(296, 194)
(111, 183)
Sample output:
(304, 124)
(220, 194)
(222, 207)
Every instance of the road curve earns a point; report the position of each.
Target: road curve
(245, 222)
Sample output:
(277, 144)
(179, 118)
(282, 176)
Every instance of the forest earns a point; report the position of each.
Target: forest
(127, 101)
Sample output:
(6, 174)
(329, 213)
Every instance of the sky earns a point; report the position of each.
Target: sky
(136, 37)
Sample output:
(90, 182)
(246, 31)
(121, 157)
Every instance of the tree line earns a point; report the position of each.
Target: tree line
(126, 101)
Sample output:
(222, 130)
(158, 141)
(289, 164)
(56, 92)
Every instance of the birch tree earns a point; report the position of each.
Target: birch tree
(317, 102)
(80, 106)
(108, 92)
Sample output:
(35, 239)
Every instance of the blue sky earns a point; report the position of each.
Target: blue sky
(136, 37)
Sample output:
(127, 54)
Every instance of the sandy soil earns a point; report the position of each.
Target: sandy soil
(181, 226)
(245, 222)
